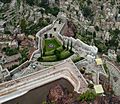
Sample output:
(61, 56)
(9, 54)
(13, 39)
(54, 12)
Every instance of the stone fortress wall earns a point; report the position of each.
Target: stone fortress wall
(78, 46)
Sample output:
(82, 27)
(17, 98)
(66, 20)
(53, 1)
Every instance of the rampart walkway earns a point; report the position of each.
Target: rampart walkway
(66, 69)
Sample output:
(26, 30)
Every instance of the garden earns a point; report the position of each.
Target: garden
(53, 50)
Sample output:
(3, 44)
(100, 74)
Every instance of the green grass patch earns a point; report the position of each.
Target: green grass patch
(51, 44)
(54, 51)
(65, 54)
(77, 58)
(49, 58)
(49, 53)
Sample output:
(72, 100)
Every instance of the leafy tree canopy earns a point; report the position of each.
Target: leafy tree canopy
(6, 1)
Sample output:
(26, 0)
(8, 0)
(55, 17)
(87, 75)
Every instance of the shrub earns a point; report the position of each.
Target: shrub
(118, 58)
(82, 71)
(49, 53)
(77, 59)
(10, 51)
(60, 49)
(57, 53)
(91, 86)
(40, 59)
(65, 54)
(87, 96)
(48, 58)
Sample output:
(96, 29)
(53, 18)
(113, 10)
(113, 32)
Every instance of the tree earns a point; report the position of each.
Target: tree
(87, 12)
(42, 12)
(82, 70)
(102, 48)
(118, 58)
(68, 45)
(52, 10)
(10, 51)
(114, 41)
(94, 34)
(6, 1)
(112, 2)
(50, 35)
(18, 5)
(96, 28)
(87, 96)
(57, 53)
(23, 25)
(44, 50)
(55, 29)
(89, 2)
(30, 2)
(63, 44)
(71, 46)
(91, 86)
(46, 36)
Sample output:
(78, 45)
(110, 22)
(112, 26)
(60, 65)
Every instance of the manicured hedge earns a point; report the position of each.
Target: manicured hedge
(77, 59)
(47, 59)
(65, 54)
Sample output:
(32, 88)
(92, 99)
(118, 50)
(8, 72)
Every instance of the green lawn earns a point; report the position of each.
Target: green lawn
(51, 44)
(52, 58)
(65, 54)
(49, 53)
(54, 51)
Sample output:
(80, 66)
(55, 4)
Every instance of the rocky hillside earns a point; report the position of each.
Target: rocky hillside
(59, 95)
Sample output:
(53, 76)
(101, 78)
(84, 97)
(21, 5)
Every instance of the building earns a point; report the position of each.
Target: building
(111, 54)
(4, 74)
(117, 2)
(12, 58)
(2, 24)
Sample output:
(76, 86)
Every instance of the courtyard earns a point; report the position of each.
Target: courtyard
(53, 51)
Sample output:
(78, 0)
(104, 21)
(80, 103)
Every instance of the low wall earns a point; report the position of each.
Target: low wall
(19, 68)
